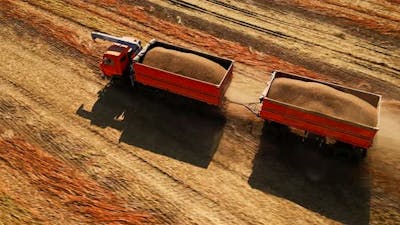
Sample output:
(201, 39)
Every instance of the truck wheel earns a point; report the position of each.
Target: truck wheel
(321, 142)
(363, 153)
(328, 151)
(358, 154)
(279, 129)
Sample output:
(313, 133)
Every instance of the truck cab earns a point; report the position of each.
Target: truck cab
(116, 60)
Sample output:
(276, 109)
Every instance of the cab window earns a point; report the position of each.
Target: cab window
(107, 61)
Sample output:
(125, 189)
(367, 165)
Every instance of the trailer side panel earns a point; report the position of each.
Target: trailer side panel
(346, 131)
(179, 84)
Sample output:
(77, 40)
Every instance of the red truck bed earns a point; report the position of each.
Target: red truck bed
(179, 84)
(358, 135)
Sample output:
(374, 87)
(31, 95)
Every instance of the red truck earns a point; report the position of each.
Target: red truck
(124, 58)
(327, 128)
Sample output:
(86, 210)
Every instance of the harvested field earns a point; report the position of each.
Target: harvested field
(75, 149)
(67, 185)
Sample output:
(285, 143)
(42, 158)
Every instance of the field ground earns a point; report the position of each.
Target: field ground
(77, 150)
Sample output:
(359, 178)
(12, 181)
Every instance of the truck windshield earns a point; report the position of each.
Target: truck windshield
(107, 61)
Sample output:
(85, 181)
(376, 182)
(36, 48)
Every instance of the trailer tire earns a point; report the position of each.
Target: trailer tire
(358, 154)
(363, 153)
(277, 129)
(328, 151)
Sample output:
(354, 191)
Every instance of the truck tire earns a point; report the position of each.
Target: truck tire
(276, 129)
(358, 153)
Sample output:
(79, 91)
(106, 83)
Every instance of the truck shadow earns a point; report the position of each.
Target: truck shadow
(333, 187)
(158, 121)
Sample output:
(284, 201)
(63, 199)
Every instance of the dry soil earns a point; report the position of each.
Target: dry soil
(75, 149)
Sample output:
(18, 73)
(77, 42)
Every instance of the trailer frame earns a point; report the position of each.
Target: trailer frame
(355, 134)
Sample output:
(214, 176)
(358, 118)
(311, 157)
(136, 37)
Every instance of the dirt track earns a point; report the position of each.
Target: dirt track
(131, 152)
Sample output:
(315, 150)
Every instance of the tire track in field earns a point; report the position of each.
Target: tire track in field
(47, 138)
(12, 212)
(185, 193)
(48, 133)
(280, 22)
(101, 136)
(343, 69)
(278, 34)
(61, 149)
(154, 27)
(368, 14)
(64, 183)
(100, 13)
(271, 19)
(176, 188)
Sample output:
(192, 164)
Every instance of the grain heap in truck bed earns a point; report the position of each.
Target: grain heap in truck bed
(323, 99)
(186, 64)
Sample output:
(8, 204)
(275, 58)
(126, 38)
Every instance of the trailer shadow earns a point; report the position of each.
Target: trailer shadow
(158, 121)
(336, 188)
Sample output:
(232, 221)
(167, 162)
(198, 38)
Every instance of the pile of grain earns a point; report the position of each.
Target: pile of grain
(186, 64)
(323, 99)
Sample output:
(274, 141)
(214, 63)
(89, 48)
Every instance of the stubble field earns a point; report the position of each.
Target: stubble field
(76, 150)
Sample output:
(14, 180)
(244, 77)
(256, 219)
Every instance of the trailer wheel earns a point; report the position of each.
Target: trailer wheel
(278, 129)
(363, 153)
(321, 142)
(328, 151)
(358, 153)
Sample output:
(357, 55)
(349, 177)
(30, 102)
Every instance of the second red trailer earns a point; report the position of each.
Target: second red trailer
(358, 135)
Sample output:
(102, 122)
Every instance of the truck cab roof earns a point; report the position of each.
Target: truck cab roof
(117, 50)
